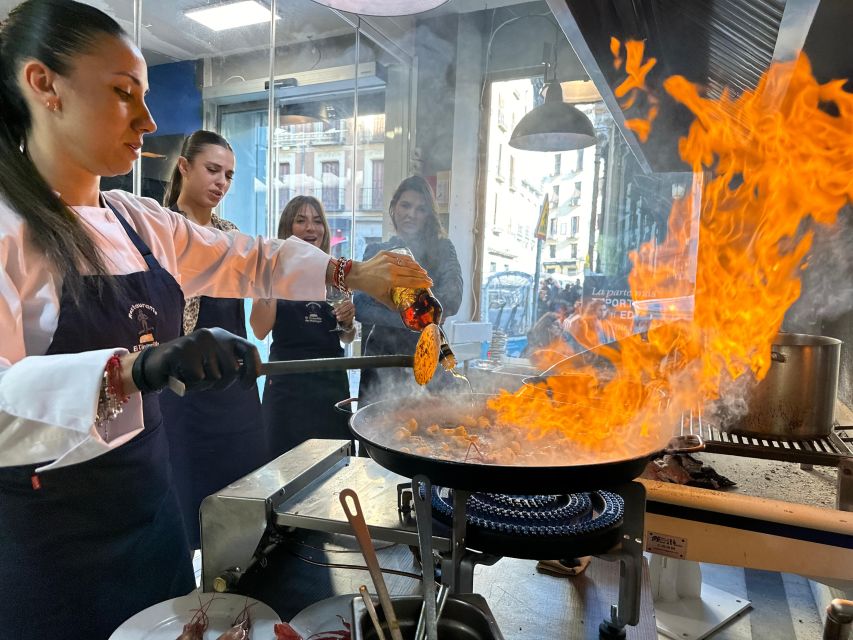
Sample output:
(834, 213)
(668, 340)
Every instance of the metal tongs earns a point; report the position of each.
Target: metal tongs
(594, 356)
(588, 357)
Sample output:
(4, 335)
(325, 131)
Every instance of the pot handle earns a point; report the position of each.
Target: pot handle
(345, 406)
(775, 356)
(690, 443)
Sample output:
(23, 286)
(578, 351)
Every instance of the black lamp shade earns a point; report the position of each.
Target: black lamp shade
(303, 113)
(553, 126)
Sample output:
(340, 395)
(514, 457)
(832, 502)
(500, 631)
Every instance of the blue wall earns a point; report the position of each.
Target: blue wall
(175, 98)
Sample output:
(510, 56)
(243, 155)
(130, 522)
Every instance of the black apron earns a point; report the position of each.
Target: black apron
(101, 540)
(298, 407)
(215, 436)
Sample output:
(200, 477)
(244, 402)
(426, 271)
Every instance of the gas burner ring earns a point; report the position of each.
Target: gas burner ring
(580, 514)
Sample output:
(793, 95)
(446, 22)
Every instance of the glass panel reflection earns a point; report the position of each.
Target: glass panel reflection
(194, 72)
(320, 158)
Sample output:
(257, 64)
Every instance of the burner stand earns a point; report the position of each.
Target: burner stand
(457, 570)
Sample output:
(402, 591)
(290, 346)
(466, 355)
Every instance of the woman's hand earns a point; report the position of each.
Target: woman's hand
(205, 359)
(345, 313)
(385, 271)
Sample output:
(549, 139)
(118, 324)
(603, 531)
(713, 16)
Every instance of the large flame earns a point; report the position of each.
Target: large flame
(768, 165)
(634, 85)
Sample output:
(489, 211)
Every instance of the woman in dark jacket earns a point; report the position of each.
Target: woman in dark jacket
(418, 228)
(215, 437)
(297, 407)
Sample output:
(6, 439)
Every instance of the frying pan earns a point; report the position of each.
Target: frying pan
(374, 425)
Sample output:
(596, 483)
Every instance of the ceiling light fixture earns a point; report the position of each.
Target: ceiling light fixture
(580, 92)
(553, 126)
(382, 7)
(231, 15)
(303, 113)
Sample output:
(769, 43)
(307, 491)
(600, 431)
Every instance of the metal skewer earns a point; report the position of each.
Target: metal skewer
(371, 611)
(423, 509)
(359, 526)
(443, 593)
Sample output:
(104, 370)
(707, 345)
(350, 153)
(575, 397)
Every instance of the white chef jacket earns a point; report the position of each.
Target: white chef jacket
(48, 404)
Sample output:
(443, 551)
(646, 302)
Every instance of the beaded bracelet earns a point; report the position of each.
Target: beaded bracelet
(116, 386)
(341, 270)
(111, 398)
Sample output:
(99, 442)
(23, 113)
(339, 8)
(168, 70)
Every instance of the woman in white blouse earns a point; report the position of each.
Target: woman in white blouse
(91, 295)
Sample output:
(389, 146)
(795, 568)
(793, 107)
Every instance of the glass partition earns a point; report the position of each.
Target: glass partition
(382, 142)
(197, 71)
(194, 70)
(305, 113)
(314, 108)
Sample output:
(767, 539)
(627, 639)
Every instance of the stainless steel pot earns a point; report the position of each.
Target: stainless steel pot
(796, 401)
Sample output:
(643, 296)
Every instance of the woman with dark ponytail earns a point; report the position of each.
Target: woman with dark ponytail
(90, 315)
(215, 437)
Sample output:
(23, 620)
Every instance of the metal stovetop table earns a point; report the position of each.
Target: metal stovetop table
(526, 604)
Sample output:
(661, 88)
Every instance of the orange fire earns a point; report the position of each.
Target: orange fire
(634, 86)
(768, 165)
(615, 49)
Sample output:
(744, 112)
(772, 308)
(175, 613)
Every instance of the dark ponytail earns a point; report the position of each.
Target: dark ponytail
(53, 32)
(193, 145)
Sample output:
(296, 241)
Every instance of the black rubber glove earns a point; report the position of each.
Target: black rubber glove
(205, 359)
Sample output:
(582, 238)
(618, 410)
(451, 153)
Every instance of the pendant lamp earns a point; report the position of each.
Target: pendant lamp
(382, 7)
(303, 113)
(553, 126)
(580, 92)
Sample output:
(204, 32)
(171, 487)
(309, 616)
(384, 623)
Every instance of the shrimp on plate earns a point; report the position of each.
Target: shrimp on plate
(241, 626)
(195, 628)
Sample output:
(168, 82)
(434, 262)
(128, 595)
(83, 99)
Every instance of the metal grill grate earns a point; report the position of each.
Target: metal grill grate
(828, 451)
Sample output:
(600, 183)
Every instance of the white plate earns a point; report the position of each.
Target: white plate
(166, 620)
(323, 616)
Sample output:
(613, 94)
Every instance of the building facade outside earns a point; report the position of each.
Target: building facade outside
(517, 183)
(317, 159)
(513, 194)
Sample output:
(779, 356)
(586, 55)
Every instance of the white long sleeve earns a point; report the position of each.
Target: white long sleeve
(48, 406)
(48, 403)
(222, 265)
